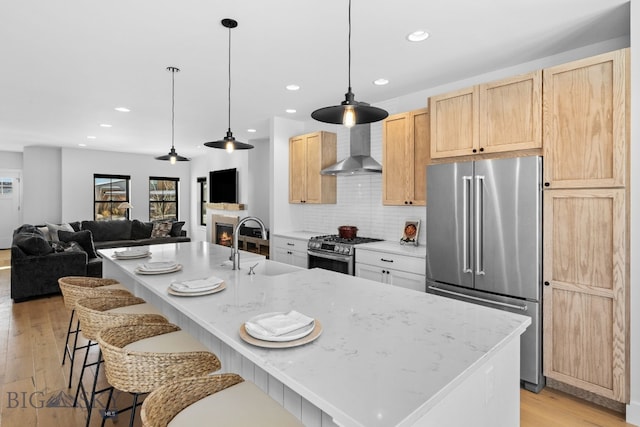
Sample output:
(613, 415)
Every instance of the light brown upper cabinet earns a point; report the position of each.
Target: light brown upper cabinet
(585, 122)
(405, 146)
(308, 155)
(495, 117)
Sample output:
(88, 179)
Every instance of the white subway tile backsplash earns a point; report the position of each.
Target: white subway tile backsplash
(359, 200)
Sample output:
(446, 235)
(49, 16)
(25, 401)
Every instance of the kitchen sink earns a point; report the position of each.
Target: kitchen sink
(268, 268)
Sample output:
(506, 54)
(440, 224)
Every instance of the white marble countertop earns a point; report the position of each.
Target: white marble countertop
(388, 246)
(386, 354)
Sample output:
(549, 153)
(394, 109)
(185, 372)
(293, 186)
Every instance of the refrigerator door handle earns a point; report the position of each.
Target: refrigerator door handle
(488, 301)
(479, 214)
(466, 203)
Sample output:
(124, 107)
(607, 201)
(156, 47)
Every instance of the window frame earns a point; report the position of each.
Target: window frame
(202, 199)
(176, 182)
(112, 201)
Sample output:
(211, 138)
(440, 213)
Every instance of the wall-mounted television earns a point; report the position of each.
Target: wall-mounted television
(223, 186)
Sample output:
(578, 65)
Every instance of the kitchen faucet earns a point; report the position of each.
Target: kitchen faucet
(235, 254)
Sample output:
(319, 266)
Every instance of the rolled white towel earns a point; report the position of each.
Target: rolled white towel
(280, 323)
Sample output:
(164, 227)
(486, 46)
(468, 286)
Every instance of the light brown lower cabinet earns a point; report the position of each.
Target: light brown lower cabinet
(585, 332)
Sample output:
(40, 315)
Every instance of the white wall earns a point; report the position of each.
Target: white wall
(259, 173)
(41, 185)
(79, 165)
(633, 409)
(11, 160)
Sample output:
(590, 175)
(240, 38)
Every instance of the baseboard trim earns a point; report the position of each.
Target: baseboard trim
(587, 395)
(633, 413)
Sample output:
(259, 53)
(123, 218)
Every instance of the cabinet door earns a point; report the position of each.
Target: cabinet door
(454, 123)
(585, 122)
(420, 155)
(397, 168)
(314, 163)
(407, 280)
(299, 259)
(584, 292)
(370, 272)
(511, 114)
(297, 169)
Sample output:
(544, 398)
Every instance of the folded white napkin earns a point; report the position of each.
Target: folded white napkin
(279, 323)
(197, 285)
(158, 266)
(138, 250)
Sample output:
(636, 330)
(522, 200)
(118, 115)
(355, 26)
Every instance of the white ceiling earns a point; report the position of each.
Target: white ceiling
(65, 65)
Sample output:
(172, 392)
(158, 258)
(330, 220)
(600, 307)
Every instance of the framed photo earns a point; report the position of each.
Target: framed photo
(410, 232)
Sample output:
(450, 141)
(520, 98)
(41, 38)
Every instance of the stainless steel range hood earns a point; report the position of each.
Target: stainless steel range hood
(359, 160)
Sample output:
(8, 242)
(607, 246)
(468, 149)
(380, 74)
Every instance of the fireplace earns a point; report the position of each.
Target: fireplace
(222, 231)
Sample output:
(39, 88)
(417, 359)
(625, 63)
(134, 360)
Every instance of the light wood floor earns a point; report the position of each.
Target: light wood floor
(31, 341)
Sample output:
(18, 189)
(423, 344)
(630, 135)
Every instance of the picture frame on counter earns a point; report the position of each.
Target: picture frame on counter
(410, 232)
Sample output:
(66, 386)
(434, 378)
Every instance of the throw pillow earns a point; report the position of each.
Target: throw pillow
(83, 238)
(141, 230)
(161, 229)
(54, 228)
(32, 244)
(176, 228)
(66, 247)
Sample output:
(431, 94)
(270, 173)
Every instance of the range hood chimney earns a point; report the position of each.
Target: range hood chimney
(359, 161)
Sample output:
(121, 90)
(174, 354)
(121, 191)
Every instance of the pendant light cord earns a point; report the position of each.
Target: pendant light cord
(229, 91)
(173, 101)
(349, 45)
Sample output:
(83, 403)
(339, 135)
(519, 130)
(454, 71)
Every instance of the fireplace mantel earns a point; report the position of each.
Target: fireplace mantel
(227, 206)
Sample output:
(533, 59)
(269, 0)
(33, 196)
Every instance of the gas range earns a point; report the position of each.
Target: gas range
(334, 253)
(332, 243)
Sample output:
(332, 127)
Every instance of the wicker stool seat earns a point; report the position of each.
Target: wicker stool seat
(74, 288)
(98, 313)
(140, 358)
(224, 398)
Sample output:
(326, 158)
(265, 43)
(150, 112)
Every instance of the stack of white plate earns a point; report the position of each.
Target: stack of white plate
(132, 253)
(159, 267)
(280, 326)
(202, 286)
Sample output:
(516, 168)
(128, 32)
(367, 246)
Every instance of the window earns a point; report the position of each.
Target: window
(202, 186)
(6, 185)
(109, 191)
(163, 198)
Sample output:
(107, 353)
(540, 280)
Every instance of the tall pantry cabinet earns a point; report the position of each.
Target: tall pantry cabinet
(586, 218)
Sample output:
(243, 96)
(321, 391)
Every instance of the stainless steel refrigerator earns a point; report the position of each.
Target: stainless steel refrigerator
(484, 242)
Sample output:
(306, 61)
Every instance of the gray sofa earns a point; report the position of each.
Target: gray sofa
(37, 263)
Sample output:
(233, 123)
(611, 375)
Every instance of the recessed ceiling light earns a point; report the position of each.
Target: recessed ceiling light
(418, 36)
(91, 137)
(122, 109)
(251, 130)
(82, 145)
(105, 125)
(290, 110)
(293, 87)
(380, 82)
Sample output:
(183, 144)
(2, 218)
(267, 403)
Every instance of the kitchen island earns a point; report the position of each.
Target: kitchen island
(387, 356)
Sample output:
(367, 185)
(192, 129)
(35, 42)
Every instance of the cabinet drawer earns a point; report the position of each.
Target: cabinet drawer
(394, 261)
(298, 245)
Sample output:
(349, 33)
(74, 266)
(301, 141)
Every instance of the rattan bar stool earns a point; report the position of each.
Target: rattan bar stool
(227, 399)
(98, 313)
(74, 288)
(140, 358)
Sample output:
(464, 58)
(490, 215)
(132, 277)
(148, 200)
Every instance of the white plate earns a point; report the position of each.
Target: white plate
(291, 336)
(177, 267)
(218, 288)
(157, 265)
(211, 283)
(132, 255)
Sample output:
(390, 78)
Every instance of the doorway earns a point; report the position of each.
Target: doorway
(10, 204)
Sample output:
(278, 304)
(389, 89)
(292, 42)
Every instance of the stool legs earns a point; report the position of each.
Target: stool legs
(89, 402)
(71, 351)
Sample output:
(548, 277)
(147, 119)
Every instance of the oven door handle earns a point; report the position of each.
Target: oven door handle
(344, 258)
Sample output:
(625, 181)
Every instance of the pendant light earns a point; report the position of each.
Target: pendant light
(350, 112)
(229, 143)
(173, 156)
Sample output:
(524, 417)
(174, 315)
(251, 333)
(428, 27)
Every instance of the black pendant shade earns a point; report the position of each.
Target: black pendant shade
(229, 143)
(362, 112)
(173, 156)
(350, 112)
